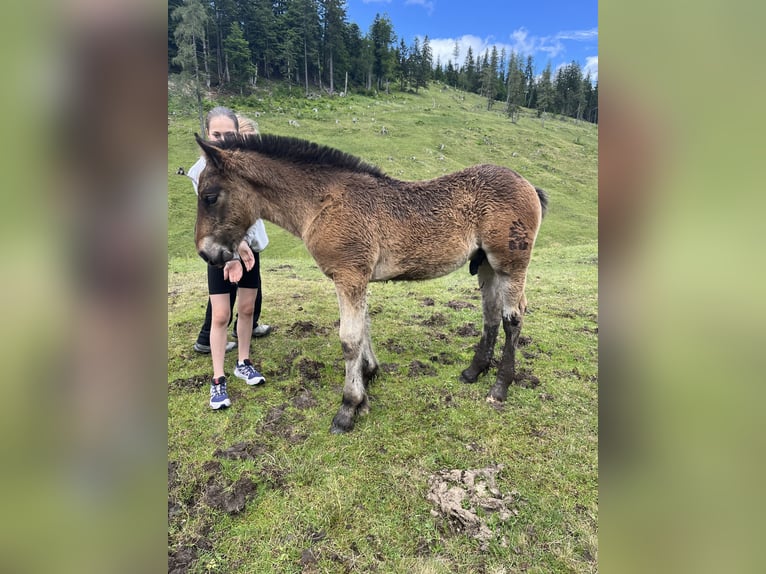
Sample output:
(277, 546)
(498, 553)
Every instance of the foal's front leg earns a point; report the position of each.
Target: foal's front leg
(352, 300)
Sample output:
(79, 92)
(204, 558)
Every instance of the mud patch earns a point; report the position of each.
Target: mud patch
(190, 384)
(442, 359)
(276, 424)
(460, 305)
(468, 330)
(525, 380)
(468, 500)
(304, 400)
(230, 498)
(389, 367)
(242, 451)
(303, 329)
(427, 302)
(309, 370)
(418, 369)
(393, 346)
(436, 320)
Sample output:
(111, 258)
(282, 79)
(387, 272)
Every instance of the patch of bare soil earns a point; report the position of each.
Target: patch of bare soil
(393, 346)
(436, 320)
(460, 305)
(526, 380)
(468, 330)
(418, 369)
(277, 424)
(427, 302)
(242, 451)
(190, 384)
(309, 370)
(306, 328)
(230, 498)
(442, 359)
(465, 499)
(304, 400)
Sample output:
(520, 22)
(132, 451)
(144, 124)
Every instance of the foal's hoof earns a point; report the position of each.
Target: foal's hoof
(342, 424)
(497, 394)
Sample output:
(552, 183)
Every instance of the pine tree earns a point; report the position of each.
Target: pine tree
(545, 93)
(190, 18)
(239, 58)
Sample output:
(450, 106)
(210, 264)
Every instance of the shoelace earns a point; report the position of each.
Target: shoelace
(248, 369)
(219, 390)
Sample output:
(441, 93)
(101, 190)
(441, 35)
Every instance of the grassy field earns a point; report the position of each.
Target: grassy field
(264, 487)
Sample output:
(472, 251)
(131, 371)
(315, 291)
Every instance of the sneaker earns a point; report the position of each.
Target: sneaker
(246, 371)
(218, 396)
(261, 330)
(258, 331)
(205, 349)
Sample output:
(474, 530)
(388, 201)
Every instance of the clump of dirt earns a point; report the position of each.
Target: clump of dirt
(389, 367)
(191, 383)
(442, 359)
(242, 451)
(436, 320)
(306, 328)
(309, 370)
(420, 369)
(460, 305)
(465, 498)
(393, 346)
(304, 400)
(427, 302)
(230, 498)
(276, 423)
(523, 341)
(526, 380)
(468, 330)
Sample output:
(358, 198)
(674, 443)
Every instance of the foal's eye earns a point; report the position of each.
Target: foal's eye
(210, 199)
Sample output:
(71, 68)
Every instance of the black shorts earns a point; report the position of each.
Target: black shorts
(217, 285)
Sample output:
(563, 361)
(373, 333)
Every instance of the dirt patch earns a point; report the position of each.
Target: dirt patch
(306, 328)
(468, 330)
(309, 370)
(393, 347)
(180, 561)
(526, 380)
(418, 369)
(190, 384)
(242, 451)
(277, 424)
(435, 320)
(466, 499)
(523, 341)
(389, 367)
(427, 302)
(442, 359)
(232, 497)
(460, 305)
(304, 400)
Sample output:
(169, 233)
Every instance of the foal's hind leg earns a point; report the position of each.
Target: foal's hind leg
(353, 339)
(514, 304)
(491, 303)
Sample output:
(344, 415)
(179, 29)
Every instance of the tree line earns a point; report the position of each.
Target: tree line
(309, 44)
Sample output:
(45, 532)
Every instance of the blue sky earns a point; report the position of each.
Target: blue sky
(555, 31)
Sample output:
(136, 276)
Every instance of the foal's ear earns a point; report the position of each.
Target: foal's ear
(214, 155)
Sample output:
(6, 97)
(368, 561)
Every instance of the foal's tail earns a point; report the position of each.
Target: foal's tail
(543, 199)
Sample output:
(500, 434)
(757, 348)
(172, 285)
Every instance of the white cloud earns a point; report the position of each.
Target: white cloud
(521, 42)
(376, 1)
(579, 35)
(591, 65)
(429, 5)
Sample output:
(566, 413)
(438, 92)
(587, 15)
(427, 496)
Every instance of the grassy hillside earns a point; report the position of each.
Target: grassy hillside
(264, 487)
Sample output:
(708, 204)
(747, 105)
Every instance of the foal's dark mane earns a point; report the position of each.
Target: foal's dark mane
(299, 151)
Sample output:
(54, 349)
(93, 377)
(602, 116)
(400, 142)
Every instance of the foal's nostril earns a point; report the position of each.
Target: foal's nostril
(204, 256)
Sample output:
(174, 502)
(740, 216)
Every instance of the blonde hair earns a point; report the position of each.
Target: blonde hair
(246, 125)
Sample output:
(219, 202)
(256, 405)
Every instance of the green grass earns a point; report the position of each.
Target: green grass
(357, 502)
